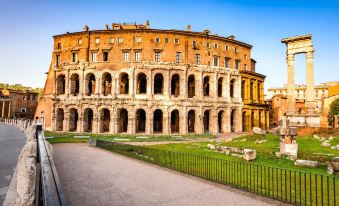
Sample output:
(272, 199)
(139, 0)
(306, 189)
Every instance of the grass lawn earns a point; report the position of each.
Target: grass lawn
(60, 137)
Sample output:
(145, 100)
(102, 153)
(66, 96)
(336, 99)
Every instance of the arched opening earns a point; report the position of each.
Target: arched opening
(60, 84)
(259, 120)
(244, 121)
(175, 85)
(220, 80)
(105, 119)
(142, 84)
(232, 88)
(157, 121)
(220, 121)
(191, 121)
(206, 86)
(251, 90)
(252, 120)
(123, 121)
(140, 121)
(206, 121)
(88, 120)
(243, 89)
(90, 82)
(73, 120)
(124, 83)
(191, 86)
(106, 84)
(175, 121)
(158, 84)
(59, 119)
(75, 84)
(233, 126)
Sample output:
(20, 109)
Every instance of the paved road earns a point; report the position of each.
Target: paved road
(91, 176)
(11, 142)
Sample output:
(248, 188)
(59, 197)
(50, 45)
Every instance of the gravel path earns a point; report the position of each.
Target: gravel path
(92, 176)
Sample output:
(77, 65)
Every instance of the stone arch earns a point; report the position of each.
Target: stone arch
(232, 88)
(59, 119)
(140, 121)
(233, 120)
(106, 84)
(244, 121)
(221, 122)
(105, 119)
(122, 121)
(123, 83)
(88, 120)
(206, 121)
(141, 83)
(191, 86)
(220, 83)
(75, 84)
(206, 86)
(158, 121)
(73, 120)
(158, 84)
(61, 84)
(90, 84)
(175, 121)
(260, 120)
(252, 120)
(175, 85)
(191, 121)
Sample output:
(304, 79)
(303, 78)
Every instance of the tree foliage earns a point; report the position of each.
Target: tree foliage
(21, 87)
(334, 107)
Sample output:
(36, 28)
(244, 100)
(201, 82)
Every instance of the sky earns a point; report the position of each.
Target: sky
(27, 27)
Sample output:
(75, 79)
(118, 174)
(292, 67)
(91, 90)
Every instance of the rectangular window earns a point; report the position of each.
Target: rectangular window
(157, 56)
(197, 59)
(227, 62)
(245, 57)
(157, 40)
(194, 44)
(137, 56)
(105, 56)
(166, 40)
(138, 39)
(120, 40)
(111, 40)
(245, 67)
(237, 64)
(59, 46)
(227, 48)
(97, 40)
(57, 59)
(236, 50)
(94, 57)
(178, 57)
(215, 61)
(79, 41)
(74, 57)
(216, 46)
(176, 41)
(126, 56)
(208, 45)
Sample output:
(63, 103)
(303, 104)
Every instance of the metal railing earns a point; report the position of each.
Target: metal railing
(290, 186)
(48, 187)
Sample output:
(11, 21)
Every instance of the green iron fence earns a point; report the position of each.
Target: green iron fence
(294, 187)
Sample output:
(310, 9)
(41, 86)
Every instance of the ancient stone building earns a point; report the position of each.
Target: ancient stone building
(129, 78)
(17, 103)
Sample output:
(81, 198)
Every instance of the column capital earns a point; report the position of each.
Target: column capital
(310, 54)
(290, 57)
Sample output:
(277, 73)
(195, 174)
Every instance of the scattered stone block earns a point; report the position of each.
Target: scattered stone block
(237, 155)
(325, 144)
(141, 137)
(120, 139)
(249, 154)
(335, 163)
(82, 137)
(260, 141)
(278, 154)
(307, 163)
(211, 146)
(316, 137)
(258, 130)
(330, 169)
(49, 137)
(330, 138)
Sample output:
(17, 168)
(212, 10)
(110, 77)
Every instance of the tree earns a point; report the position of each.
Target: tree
(334, 107)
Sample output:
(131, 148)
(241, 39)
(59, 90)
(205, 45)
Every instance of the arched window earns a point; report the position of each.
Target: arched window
(141, 84)
(59, 119)
(140, 121)
(220, 80)
(191, 121)
(88, 120)
(206, 86)
(158, 84)
(61, 84)
(175, 85)
(157, 121)
(206, 121)
(106, 84)
(123, 121)
(191, 86)
(90, 82)
(232, 88)
(105, 119)
(233, 122)
(73, 120)
(124, 83)
(221, 121)
(175, 121)
(251, 90)
(75, 84)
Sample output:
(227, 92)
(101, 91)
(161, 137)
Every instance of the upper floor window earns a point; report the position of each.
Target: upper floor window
(79, 41)
(208, 45)
(245, 57)
(59, 46)
(94, 57)
(237, 64)
(138, 39)
(236, 50)
(178, 57)
(33, 97)
(197, 59)
(227, 62)
(126, 56)
(74, 57)
(227, 48)
(157, 56)
(176, 41)
(194, 44)
(57, 59)
(157, 40)
(215, 61)
(97, 40)
(245, 66)
(111, 40)
(216, 46)
(120, 40)
(137, 56)
(105, 56)
(166, 40)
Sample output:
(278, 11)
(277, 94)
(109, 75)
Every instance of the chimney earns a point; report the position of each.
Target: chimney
(147, 24)
(188, 28)
(85, 28)
(106, 27)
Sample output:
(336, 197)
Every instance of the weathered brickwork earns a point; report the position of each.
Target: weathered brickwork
(132, 79)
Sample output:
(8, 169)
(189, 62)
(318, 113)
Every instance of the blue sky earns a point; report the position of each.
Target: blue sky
(27, 27)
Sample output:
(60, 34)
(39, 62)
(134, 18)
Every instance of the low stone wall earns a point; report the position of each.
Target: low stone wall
(301, 131)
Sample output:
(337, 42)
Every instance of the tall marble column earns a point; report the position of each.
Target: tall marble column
(290, 84)
(310, 92)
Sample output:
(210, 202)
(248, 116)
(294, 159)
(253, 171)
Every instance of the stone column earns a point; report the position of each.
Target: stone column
(113, 121)
(166, 122)
(227, 120)
(199, 125)
(227, 88)
(131, 123)
(67, 85)
(290, 84)
(310, 92)
(238, 120)
(183, 118)
(97, 86)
